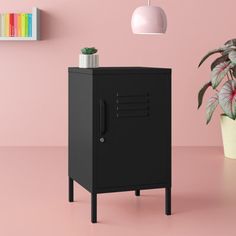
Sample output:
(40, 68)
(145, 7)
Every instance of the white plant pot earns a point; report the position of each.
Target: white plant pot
(228, 128)
(88, 61)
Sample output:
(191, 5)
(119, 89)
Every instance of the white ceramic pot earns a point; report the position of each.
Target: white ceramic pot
(228, 128)
(88, 61)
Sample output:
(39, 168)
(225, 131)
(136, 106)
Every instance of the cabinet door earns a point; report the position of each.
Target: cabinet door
(132, 130)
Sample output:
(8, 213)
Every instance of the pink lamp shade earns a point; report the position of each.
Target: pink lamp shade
(149, 20)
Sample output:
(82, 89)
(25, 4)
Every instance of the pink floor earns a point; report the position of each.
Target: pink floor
(33, 198)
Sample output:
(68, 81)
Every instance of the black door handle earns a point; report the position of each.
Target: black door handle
(102, 122)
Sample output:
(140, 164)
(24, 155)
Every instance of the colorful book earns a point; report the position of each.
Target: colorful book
(26, 25)
(7, 31)
(15, 25)
(11, 24)
(2, 25)
(19, 25)
(23, 25)
(30, 25)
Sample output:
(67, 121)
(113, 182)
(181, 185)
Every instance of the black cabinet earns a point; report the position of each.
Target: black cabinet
(120, 130)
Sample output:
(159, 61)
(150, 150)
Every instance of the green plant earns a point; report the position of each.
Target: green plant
(89, 51)
(224, 67)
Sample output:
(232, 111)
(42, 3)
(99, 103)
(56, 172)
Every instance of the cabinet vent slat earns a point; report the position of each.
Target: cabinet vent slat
(131, 108)
(132, 102)
(132, 105)
(132, 95)
(132, 115)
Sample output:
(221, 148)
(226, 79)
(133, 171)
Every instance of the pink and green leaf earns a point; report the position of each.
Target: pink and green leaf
(218, 50)
(211, 106)
(234, 71)
(202, 92)
(227, 99)
(232, 57)
(228, 49)
(219, 72)
(231, 42)
(219, 60)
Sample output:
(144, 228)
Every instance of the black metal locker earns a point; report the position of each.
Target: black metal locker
(120, 130)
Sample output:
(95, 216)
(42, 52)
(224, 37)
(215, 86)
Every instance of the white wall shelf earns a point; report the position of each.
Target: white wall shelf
(35, 29)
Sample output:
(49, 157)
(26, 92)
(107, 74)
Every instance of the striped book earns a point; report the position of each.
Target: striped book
(11, 25)
(7, 25)
(27, 25)
(15, 25)
(23, 25)
(2, 25)
(19, 28)
(30, 25)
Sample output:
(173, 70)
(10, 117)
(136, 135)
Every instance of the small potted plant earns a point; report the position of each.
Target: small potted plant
(88, 58)
(223, 82)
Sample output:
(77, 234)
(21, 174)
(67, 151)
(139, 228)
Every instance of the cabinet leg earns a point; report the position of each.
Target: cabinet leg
(168, 201)
(94, 208)
(137, 192)
(71, 190)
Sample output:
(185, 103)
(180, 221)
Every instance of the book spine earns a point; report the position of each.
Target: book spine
(30, 25)
(23, 25)
(15, 25)
(0, 25)
(26, 25)
(3, 25)
(19, 25)
(11, 24)
(7, 25)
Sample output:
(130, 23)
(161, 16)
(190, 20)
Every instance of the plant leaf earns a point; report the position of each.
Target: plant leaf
(202, 92)
(228, 49)
(231, 42)
(211, 106)
(227, 98)
(234, 71)
(232, 56)
(219, 60)
(218, 50)
(89, 51)
(219, 72)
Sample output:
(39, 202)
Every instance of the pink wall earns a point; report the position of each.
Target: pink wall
(33, 81)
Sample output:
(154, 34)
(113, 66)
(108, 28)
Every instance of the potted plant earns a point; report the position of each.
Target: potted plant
(223, 82)
(88, 58)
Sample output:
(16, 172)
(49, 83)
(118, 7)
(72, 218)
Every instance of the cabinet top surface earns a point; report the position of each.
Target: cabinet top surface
(119, 70)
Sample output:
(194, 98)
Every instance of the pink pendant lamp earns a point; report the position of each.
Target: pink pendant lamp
(149, 20)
